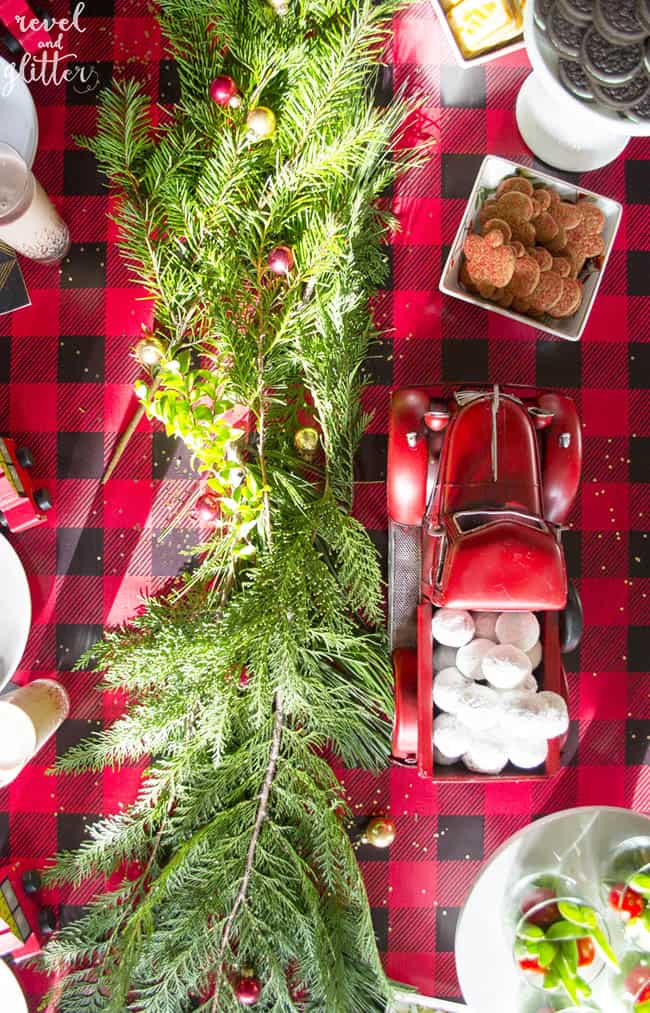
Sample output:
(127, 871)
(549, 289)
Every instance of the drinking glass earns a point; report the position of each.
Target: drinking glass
(29, 222)
(29, 716)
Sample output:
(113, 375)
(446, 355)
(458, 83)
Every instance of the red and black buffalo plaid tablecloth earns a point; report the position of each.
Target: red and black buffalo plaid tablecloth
(67, 380)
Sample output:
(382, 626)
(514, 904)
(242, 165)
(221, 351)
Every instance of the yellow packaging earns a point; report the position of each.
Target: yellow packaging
(484, 24)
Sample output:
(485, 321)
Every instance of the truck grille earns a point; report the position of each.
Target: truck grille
(404, 566)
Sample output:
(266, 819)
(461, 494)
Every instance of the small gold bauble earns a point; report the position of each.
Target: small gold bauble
(281, 7)
(306, 442)
(150, 351)
(380, 832)
(261, 123)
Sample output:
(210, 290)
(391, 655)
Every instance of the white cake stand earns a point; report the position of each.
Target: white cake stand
(12, 999)
(577, 839)
(559, 129)
(15, 612)
(18, 119)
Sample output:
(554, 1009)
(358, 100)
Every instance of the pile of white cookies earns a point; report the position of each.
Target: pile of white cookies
(492, 712)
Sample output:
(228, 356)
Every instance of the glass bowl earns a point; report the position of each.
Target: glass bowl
(560, 946)
(626, 889)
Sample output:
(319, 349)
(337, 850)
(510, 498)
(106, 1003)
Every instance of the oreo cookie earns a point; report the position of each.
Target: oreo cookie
(643, 13)
(607, 62)
(640, 113)
(574, 79)
(581, 11)
(565, 35)
(540, 13)
(619, 22)
(623, 96)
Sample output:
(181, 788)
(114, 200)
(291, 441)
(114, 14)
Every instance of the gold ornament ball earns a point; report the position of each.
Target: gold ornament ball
(150, 351)
(380, 832)
(261, 123)
(306, 442)
(281, 7)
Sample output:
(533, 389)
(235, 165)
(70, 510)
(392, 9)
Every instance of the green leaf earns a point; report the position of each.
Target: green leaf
(580, 915)
(565, 930)
(529, 931)
(641, 883)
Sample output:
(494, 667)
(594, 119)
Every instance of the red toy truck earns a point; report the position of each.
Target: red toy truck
(22, 923)
(21, 506)
(479, 486)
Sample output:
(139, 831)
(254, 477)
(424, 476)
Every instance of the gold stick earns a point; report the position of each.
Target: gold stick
(123, 441)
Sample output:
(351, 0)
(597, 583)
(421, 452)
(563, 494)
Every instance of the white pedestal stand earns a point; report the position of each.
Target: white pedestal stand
(559, 129)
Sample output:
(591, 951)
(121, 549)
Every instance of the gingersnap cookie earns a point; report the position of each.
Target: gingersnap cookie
(521, 305)
(501, 226)
(518, 183)
(546, 227)
(489, 262)
(569, 301)
(517, 248)
(557, 244)
(543, 198)
(565, 35)
(525, 277)
(608, 62)
(567, 215)
(575, 81)
(547, 292)
(619, 21)
(591, 215)
(487, 210)
(562, 266)
(542, 256)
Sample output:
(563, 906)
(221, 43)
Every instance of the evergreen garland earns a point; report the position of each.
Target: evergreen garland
(235, 854)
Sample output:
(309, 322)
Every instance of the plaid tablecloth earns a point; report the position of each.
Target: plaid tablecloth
(67, 377)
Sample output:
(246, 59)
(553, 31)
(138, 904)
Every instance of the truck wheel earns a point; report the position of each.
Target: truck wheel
(46, 921)
(571, 621)
(42, 500)
(32, 881)
(24, 457)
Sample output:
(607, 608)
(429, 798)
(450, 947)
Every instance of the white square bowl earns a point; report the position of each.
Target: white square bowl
(473, 61)
(493, 170)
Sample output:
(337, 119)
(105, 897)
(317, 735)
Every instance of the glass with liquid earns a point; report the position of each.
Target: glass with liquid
(28, 717)
(29, 222)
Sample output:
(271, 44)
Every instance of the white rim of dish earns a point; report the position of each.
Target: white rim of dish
(599, 115)
(11, 991)
(20, 577)
(23, 91)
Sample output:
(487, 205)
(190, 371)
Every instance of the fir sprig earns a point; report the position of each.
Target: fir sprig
(243, 679)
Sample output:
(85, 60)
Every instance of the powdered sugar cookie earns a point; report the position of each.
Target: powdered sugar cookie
(505, 666)
(518, 628)
(479, 706)
(469, 658)
(452, 627)
(447, 688)
(485, 624)
(444, 657)
(450, 736)
(535, 654)
(487, 754)
(527, 752)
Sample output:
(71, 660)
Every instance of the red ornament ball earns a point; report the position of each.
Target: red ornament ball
(207, 508)
(280, 260)
(224, 92)
(248, 990)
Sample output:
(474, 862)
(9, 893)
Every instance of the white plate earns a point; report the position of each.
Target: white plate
(12, 999)
(15, 611)
(493, 169)
(473, 61)
(18, 119)
(583, 838)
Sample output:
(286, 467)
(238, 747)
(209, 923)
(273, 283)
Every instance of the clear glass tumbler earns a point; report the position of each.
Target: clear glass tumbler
(29, 222)
(29, 716)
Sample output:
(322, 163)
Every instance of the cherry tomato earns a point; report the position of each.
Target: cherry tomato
(637, 980)
(643, 996)
(546, 915)
(586, 951)
(530, 964)
(626, 900)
